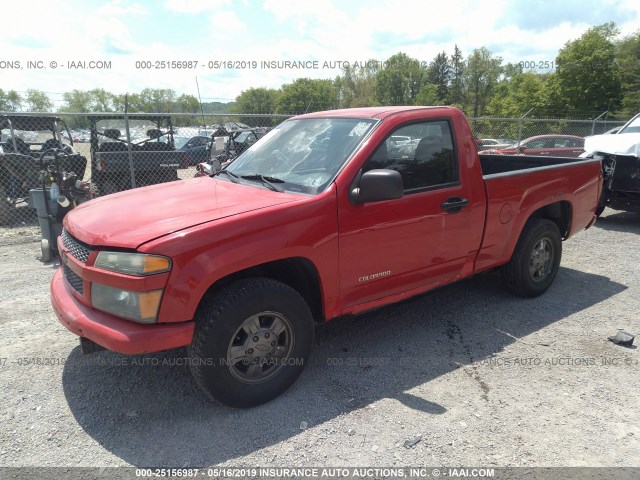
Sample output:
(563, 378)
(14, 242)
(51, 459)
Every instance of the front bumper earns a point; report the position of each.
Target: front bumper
(113, 333)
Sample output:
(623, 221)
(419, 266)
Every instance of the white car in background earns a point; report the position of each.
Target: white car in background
(626, 141)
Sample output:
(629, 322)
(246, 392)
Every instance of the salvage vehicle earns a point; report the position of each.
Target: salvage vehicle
(25, 138)
(620, 156)
(315, 221)
(148, 149)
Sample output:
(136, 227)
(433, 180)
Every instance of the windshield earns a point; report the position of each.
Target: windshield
(303, 155)
(632, 127)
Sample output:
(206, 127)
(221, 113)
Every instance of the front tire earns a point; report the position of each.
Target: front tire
(536, 259)
(251, 342)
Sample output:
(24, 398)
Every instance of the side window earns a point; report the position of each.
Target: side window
(540, 143)
(421, 152)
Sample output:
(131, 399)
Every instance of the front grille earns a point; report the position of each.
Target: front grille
(74, 280)
(78, 250)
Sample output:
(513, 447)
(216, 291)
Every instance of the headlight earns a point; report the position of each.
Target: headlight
(139, 264)
(140, 307)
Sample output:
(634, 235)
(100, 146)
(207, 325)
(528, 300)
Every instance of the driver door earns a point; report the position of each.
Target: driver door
(394, 246)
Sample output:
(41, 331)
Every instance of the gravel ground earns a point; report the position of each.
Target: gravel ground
(466, 375)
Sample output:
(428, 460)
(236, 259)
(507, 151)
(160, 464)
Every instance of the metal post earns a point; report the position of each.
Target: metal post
(521, 125)
(593, 125)
(126, 126)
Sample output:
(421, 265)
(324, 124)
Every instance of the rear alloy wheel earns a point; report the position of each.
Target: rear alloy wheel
(251, 342)
(536, 259)
(541, 260)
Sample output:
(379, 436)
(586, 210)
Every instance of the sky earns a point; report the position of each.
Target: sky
(60, 39)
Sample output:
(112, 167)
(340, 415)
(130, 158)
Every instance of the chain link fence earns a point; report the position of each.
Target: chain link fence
(116, 152)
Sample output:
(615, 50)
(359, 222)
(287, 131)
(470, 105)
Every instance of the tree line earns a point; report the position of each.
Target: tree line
(597, 72)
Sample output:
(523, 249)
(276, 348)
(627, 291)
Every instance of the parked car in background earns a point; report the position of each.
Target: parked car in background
(632, 126)
(545, 145)
(489, 143)
(194, 149)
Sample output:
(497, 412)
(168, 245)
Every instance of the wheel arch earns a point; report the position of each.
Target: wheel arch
(561, 213)
(298, 273)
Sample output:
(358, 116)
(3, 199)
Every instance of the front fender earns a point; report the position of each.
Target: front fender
(205, 254)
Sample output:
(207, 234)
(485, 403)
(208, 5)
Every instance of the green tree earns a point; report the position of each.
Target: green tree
(514, 96)
(187, 104)
(307, 95)
(439, 74)
(101, 100)
(6, 104)
(357, 85)
(14, 101)
(587, 77)
(481, 76)
(628, 61)
(256, 100)
(153, 100)
(38, 101)
(399, 82)
(77, 101)
(456, 88)
(428, 95)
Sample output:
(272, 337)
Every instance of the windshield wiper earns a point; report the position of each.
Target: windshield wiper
(232, 176)
(268, 181)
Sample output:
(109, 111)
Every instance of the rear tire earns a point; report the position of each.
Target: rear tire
(251, 342)
(536, 259)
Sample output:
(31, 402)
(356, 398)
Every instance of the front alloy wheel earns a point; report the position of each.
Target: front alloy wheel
(260, 347)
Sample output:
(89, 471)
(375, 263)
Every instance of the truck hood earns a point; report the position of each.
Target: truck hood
(622, 144)
(129, 219)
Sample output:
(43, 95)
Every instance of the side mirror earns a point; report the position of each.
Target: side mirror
(378, 185)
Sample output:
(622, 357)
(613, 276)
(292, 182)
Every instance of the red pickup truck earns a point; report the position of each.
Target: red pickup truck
(330, 214)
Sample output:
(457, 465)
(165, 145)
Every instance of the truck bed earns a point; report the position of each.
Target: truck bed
(517, 185)
(493, 164)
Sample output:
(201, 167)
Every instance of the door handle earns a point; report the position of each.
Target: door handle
(454, 204)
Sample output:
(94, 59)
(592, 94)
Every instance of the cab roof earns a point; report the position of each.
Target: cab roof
(366, 112)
